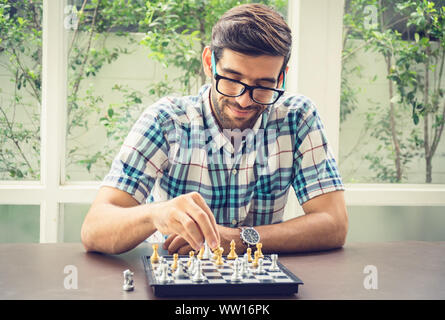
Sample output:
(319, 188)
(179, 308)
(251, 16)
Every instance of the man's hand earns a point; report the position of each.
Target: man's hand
(177, 244)
(188, 217)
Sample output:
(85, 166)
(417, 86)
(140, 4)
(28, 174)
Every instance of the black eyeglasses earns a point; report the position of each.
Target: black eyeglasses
(234, 88)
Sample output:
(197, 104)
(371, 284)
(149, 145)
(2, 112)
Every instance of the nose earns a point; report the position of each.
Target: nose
(244, 100)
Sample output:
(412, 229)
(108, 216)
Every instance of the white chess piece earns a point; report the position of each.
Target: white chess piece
(207, 253)
(244, 270)
(164, 277)
(128, 280)
(180, 272)
(198, 276)
(236, 276)
(274, 266)
(260, 268)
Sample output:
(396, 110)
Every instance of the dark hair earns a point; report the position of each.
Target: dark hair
(252, 29)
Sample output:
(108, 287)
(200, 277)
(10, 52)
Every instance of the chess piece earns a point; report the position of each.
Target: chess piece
(219, 259)
(236, 276)
(206, 254)
(155, 256)
(201, 253)
(175, 262)
(128, 280)
(191, 258)
(244, 270)
(198, 276)
(232, 254)
(249, 254)
(274, 266)
(164, 277)
(255, 260)
(215, 253)
(258, 248)
(180, 273)
(260, 269)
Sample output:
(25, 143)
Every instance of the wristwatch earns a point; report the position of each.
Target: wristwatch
(249, 236)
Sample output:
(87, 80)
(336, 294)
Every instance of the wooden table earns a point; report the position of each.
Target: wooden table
(403, 270)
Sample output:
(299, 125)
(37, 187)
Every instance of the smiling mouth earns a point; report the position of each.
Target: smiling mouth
(240, 113)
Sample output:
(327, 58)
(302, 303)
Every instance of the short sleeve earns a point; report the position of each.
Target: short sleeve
(141, 159)
(315, 169)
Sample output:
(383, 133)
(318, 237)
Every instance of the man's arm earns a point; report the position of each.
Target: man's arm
(116, 222)
(324, 226)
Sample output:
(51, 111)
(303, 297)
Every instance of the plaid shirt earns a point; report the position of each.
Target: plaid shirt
(176, 147)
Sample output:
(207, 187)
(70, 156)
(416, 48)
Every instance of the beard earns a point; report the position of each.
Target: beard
(226, 120)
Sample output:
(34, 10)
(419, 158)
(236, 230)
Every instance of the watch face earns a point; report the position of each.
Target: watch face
(251, 236)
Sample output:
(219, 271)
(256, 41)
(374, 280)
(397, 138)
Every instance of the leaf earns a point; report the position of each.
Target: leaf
(416, 37)
(110, 112)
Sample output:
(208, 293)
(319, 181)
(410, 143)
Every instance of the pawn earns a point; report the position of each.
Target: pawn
(232, 254)
(155, 256)
(258, 248)
(260, 269)
(249, 254)
(219, 259)
(175, 262)
(255, 261)
(180, 273)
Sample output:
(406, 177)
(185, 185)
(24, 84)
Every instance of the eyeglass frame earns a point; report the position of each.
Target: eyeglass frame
(217, 77)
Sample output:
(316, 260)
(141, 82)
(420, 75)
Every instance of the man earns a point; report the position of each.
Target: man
(218, 166)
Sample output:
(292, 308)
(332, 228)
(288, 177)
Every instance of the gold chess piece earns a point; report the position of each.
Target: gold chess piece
(191, 255)
(155, 256)
(258, 248)
(249, 255)
(255, 261)
(201, 253)
(219, 260)
(175, 262)
(232, 254)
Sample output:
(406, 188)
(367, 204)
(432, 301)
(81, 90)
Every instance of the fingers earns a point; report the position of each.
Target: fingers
(189, 217)
(179, 245)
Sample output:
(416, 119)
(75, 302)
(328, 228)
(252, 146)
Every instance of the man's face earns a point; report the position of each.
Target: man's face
(241, 112)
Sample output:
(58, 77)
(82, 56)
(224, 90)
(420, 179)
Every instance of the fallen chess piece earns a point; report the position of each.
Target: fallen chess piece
(128, 280)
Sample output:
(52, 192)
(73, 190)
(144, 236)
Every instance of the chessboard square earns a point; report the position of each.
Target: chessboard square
(263, 276)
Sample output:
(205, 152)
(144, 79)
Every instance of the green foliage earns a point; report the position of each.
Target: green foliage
(414, 73)
(175, 34)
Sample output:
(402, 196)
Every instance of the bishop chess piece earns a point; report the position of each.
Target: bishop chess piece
(128, 280)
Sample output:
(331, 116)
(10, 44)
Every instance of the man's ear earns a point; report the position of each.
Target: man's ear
(207, 61)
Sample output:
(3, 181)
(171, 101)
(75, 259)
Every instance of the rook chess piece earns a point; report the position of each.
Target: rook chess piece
(155, 256)
(232, 254)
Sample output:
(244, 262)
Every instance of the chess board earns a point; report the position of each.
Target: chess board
(218, 280)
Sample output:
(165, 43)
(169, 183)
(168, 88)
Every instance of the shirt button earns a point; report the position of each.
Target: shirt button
(234, 222)
(234, 171)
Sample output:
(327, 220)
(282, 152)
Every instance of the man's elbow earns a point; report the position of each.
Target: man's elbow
(342, 230)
